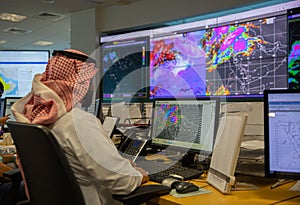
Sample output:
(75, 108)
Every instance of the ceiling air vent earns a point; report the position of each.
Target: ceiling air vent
(16, 30)
(48, 16)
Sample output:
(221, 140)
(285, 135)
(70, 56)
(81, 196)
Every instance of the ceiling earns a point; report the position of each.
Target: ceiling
(47, 20)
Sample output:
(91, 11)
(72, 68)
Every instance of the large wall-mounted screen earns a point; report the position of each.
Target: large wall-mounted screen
(124, 66)
(17, 69)
(294, 48)
(234, 56)
(246, 58)
(237, 59)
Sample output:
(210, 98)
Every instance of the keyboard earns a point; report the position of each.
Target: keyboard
(159, 171)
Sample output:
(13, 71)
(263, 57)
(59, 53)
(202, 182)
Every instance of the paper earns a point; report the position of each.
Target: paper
(296, 187)
(109, 124)
(253, 144)
(126, 112)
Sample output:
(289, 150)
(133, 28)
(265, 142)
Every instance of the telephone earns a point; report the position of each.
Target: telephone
(132, 146)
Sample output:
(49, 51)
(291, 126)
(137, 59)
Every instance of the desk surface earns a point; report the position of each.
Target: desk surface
(265, 195)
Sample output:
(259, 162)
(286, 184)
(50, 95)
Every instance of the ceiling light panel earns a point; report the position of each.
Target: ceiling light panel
(43, 43)
(48, 16)
(17, 30)
(11, 17)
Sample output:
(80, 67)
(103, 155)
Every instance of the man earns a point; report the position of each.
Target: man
(5, 185)
(54, 102)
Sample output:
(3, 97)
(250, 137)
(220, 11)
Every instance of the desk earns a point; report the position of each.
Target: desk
(265, 195)
(7, 152)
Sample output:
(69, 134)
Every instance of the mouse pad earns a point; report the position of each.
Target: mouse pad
(194, 193)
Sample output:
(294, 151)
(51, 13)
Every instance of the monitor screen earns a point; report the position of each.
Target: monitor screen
(188, 125)
(238, 60)
(294, 51)
(282, 141)
(124, 69)
(17, 69)
(177, 67)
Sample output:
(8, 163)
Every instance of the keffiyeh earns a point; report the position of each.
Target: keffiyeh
(69, 78)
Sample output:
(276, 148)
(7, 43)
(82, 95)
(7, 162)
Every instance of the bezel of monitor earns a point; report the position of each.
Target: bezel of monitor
(166, 146)
(9, 101)
(2, 107)
(268, 172)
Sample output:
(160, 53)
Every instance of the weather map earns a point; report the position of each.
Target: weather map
(177, 68)
(294, 50)
(17, 69)
(294, 65)
(249, 57)
(237, 59)
(9, 80)
(178, 122)
(123, 63)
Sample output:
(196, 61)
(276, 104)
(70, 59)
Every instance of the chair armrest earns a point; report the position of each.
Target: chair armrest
(14, 175)
(143, 194)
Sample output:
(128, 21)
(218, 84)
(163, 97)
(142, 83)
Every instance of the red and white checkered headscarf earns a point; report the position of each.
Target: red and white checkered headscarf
(69, 78)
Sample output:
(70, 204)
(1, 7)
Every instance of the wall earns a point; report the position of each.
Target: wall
(83, 31)
(87, 25)
(147, 12)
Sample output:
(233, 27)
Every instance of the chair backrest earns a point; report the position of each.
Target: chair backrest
(48, 174)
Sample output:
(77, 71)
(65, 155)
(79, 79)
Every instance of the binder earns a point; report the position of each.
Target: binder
(226, 151)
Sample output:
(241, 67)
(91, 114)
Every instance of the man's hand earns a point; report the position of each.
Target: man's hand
(144, 173)
(4, 119)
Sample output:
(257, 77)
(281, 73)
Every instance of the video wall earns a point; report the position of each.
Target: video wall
(234, 56)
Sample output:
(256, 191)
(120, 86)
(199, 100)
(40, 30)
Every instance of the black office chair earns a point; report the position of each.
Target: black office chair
(49, 176)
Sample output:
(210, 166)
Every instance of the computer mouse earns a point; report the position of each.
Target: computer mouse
(185, 187)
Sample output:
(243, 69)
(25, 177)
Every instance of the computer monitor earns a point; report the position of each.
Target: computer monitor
(17, 69)
(293, 48)
(8, 102)
(185, 125)
(124, 69)
(177, 67)
(282, 138)
(233, 59)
